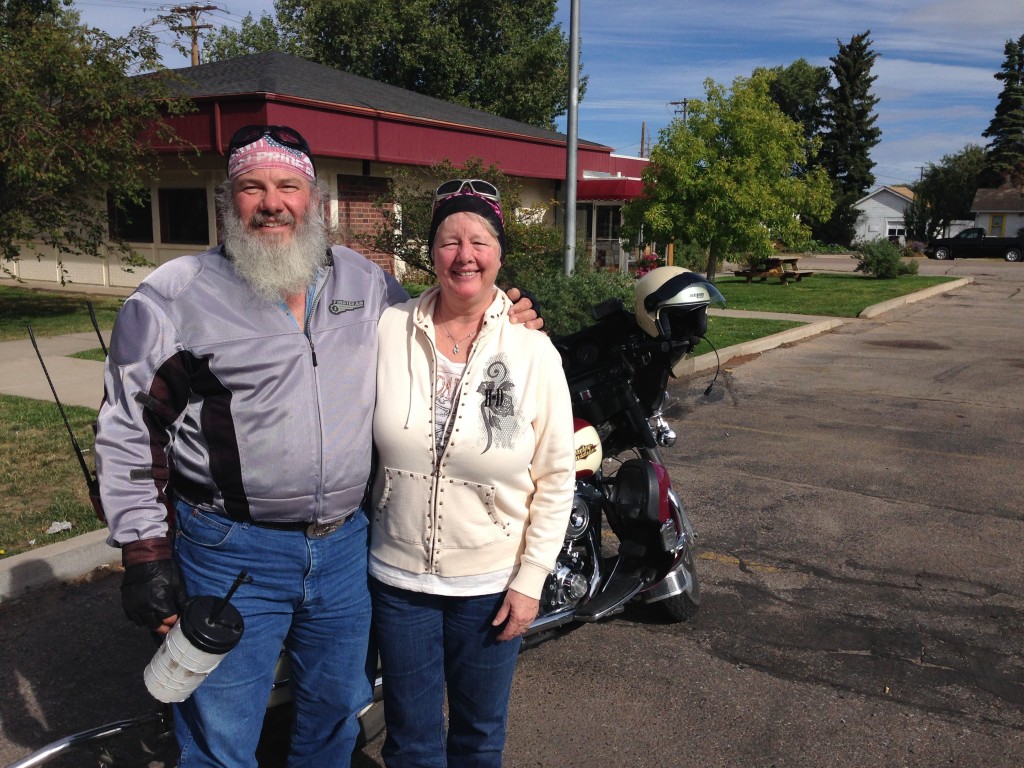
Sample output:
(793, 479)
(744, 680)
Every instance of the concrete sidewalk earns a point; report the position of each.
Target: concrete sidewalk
(80, 382)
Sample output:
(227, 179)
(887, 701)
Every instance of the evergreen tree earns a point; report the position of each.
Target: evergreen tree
(850, 134)
(506, 57)
(1004, 160)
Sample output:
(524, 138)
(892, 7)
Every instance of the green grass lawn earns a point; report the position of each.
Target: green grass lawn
(90, 354)
(835, 295)
(41, 482)
(728, 331)
(51, 313)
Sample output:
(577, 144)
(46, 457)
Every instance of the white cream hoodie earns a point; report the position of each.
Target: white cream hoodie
(500, 494)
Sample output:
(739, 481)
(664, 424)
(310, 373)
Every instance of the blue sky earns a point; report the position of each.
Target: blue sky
(935, 66)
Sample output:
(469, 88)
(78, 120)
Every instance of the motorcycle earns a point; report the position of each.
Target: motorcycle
(618, 371)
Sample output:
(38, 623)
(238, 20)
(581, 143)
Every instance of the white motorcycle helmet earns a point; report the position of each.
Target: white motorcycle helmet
(672, 302)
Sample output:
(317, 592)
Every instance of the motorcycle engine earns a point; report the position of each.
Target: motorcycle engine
(566, 586)
(569, 582)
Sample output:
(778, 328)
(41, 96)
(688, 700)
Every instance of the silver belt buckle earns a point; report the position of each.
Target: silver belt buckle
(319, 530)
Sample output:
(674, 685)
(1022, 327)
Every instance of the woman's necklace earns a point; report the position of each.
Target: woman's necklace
(456, 342)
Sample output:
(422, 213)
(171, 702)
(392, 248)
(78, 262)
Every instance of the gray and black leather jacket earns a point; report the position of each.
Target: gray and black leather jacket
(217, 396)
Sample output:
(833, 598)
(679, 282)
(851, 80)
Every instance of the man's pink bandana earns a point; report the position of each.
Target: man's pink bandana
(267, 153)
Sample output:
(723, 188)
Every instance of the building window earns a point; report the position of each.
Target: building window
(895, 231)
(184, 218)
(132, 222)
(997, 224)
(608, 219)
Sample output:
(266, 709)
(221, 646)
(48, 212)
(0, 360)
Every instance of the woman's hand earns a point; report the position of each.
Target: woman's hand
(517, 611)
(523, 310)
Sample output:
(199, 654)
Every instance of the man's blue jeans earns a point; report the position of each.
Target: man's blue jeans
(428, 641)
(309, 595)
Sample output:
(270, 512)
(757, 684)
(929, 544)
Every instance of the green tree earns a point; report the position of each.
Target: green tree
(800, 91)
(945, 193)
(254, 36)
(74, 127)
(1005, 152)
(850, 134)
(506, 57)
(724, 179)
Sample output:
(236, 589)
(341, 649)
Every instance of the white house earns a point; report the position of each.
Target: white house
(882, 214)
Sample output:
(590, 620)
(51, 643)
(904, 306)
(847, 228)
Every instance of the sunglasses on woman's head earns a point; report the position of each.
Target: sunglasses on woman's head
(476, 187)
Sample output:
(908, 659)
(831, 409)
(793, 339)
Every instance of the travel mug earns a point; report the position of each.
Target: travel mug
(206, 630)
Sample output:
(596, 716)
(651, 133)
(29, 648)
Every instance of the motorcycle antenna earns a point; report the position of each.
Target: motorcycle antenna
(96, 327)
(90, 479)
(718, 367)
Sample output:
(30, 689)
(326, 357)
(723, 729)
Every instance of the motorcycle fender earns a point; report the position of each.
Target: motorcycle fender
(679, 580)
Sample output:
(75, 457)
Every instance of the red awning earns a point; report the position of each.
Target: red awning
(615, 188)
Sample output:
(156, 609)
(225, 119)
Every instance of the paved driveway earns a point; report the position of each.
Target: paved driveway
(859, 499)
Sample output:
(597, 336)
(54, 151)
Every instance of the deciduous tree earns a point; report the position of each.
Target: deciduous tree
(724, 178)
(74, 126)
(800, 91)
(945, 193)
(254, 36)
(506, 57)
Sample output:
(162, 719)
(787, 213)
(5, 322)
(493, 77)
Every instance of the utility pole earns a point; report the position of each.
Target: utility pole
(645, 149)
(193, 11)
(681, 107)
(571, 144)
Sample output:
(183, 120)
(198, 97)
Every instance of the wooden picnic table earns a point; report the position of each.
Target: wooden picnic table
(783, 267)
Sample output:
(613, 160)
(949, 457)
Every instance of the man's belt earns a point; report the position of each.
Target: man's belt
(314, 530)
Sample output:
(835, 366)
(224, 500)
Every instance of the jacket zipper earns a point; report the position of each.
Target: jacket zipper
(307, 331)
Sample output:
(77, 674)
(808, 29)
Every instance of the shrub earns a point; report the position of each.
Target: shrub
(566, 301)
(813, 246)
(883, 259)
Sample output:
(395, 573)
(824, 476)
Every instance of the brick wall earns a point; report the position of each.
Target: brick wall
(357, 216)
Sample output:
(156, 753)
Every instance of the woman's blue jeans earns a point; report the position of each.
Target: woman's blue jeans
(308, 595)
(427, 642)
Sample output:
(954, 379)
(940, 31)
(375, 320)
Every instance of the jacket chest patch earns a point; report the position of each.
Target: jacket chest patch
(338, 306)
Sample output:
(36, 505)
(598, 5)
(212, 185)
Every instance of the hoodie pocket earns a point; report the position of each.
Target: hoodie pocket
(404, 510)
(465, 513)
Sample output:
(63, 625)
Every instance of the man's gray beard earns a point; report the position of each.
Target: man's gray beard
(273, 268)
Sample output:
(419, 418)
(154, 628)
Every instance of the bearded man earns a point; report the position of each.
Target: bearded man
(235, 435)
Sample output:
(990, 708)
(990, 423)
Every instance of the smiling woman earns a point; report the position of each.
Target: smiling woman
(493, 468)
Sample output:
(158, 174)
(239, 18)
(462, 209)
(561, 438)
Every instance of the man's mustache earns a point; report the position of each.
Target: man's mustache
(260, 219)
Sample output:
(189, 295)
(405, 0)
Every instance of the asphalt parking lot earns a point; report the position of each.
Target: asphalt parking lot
(858, 497)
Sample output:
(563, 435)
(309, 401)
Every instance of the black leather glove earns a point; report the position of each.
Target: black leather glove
(150, 592)
(536, 302)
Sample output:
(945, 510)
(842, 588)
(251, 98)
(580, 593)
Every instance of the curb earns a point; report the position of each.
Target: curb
(927, 293)
(55, 563)
(709, 360)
